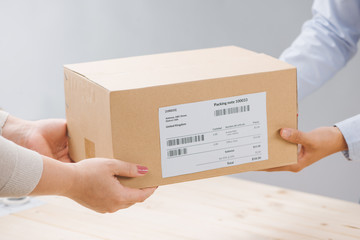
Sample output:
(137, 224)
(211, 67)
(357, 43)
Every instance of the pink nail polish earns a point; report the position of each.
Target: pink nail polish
(142, 169)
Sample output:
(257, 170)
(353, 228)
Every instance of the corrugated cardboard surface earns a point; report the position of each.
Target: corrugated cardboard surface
(88, 117)
(129, 92)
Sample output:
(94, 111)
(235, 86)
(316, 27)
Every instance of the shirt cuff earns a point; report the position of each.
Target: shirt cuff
(350, 129)
(3, 118)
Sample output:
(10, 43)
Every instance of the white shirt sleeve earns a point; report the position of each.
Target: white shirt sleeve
(350, 129)
(326, 43)
(20, 168)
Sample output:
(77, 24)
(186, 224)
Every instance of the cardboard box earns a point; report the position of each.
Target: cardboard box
(185, 115)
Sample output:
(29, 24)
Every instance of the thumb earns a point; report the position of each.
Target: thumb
(126, 169)
(293, 136)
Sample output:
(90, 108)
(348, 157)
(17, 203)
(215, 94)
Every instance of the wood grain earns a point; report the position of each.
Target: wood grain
(218, 208)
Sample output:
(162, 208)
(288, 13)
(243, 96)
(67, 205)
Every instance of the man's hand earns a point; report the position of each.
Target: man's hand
(313, 145)
(47, 137)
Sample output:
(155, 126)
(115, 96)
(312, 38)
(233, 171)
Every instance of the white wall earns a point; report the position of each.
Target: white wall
(38, 36)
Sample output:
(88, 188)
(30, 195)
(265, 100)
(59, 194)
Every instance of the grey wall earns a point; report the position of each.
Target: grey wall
(37, 37)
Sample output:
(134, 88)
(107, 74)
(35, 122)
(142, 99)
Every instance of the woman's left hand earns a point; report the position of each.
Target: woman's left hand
(47, 137)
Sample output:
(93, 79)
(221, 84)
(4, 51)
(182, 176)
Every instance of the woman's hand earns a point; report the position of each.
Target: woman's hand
(313, 145)
(97, 186)
(47, 137)
(93, 183)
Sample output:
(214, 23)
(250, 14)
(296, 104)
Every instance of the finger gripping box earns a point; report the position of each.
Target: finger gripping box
(185, 115)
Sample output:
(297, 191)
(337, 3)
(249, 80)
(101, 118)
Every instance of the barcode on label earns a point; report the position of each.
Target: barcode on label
(185, 140)
(177, 152)
(233, 110)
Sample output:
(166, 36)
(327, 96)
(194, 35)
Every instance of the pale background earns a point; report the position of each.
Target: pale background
(38, 36)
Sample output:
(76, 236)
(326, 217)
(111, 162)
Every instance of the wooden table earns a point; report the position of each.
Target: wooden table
(219, 208)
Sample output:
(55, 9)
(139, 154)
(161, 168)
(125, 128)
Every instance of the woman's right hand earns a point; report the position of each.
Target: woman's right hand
(97, 187)
(93, 183)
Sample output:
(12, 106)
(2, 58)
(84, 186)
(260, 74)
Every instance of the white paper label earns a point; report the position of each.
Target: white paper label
(213, 134)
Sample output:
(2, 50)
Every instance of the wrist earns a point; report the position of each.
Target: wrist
(339, 140)
(3, 118)
(16, 130)
(57, 178)
(73, 180)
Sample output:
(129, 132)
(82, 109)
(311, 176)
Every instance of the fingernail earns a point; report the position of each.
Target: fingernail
(142, 169)
(285, 133)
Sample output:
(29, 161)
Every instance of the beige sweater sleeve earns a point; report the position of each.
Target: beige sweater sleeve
(20, 168)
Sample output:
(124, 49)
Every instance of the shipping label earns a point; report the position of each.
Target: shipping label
(213, 134)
